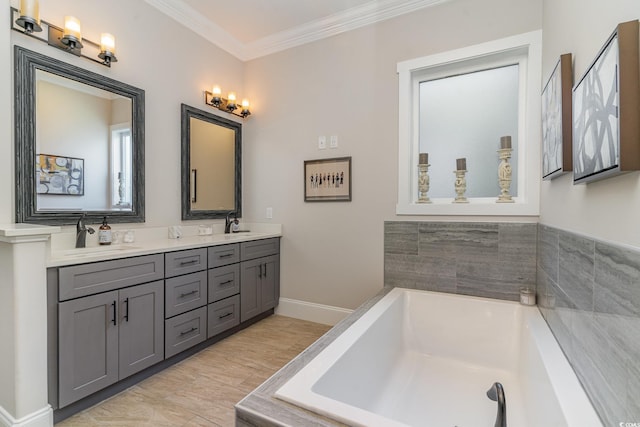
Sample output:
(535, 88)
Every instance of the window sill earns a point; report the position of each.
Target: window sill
(476, 206)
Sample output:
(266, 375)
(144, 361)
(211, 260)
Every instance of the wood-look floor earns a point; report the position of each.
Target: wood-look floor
(202, 390)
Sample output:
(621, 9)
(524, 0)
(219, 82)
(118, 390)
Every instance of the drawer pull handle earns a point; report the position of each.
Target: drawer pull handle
(186, 294)
(191, 262)
(126, 311)
(260, 271)
(265, 270)
(115, 316)
(189, 331)
(225, 315)
(225, 255)
(226, 283)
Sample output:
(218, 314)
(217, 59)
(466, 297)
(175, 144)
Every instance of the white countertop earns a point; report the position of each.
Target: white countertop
(153, 244)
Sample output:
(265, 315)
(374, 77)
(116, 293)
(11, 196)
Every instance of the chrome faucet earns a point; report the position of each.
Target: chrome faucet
(496, 393)
(81, 232)
(228, 222)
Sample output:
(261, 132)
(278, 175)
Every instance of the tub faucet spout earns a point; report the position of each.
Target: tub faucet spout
(496, 393)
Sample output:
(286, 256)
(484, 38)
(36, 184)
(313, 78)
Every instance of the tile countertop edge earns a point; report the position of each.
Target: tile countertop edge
(152, 247)
(262, 408)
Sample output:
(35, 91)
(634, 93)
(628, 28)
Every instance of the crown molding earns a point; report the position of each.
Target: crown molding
(196, 22)
(350, 19)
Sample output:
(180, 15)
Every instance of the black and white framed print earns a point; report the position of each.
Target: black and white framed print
(606, 129)
(556, 120)
(327, 180)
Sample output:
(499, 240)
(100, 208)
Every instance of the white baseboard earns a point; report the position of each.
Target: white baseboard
(40, 418)
(312, 312)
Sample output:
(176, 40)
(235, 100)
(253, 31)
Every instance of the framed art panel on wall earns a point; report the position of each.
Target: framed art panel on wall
(606, 102)
(327, 180)
(556, 120)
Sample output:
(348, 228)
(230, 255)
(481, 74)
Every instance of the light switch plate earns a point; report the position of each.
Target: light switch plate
(334, 141)
(269, 213)
(322, 142)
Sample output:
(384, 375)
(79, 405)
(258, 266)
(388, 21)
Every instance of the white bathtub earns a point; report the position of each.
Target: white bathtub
(421, 358)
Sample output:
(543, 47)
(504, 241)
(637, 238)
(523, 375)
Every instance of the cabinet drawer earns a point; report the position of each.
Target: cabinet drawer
(92, 278)
(259, 248)
(223, 255)
(223, 315)
(224, 282)
(184, 293)
(184, 262)
(184, 331)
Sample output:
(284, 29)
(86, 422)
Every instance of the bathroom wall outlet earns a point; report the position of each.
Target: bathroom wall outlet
(269, 213)
(334, 141)
(322, 142)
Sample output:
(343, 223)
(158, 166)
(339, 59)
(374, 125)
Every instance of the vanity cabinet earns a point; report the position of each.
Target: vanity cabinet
(111, 319)
(185, 300)
(106, 337)
(223, 311)
(260, 277)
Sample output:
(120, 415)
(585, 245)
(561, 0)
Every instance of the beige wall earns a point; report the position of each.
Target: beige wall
(168, 61)
(347, 86)
(605, 209)
(6, 123)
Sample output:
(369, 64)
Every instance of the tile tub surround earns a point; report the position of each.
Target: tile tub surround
(589, 293)
(486, 259)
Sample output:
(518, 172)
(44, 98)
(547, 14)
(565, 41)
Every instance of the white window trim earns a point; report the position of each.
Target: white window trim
(529, 134)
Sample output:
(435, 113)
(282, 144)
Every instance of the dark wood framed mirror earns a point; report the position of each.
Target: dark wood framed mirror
(211, 165)
(79, 139)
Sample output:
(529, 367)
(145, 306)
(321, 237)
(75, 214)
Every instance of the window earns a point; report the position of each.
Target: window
(121, 166)
(458, 104)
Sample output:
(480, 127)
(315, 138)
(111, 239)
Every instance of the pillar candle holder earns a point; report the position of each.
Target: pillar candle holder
(504, 176)
(460, 186)
(423, 183)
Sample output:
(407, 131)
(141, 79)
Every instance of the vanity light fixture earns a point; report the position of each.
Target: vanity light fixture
(72, 35)
(27, 21)
(29, 16)
(107, 48)
(229, 105)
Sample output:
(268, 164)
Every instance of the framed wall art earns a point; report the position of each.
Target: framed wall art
(59, 175)
(327, 180)
(606, 101)
(556, 120)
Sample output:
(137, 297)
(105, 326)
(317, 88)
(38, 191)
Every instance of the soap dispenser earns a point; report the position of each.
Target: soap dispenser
(104, 233)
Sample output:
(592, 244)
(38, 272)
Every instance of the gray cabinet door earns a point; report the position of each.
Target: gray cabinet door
(259, 248)
(223, 315)
(88, 345)
(185, 262)
(223, 255)
(184, 293)
(223, 282)
(93, 278)
(249, 289)
(259, 286)
(269, 283)
(141, 340)
(185, 331)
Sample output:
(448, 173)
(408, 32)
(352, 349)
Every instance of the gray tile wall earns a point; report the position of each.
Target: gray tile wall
(589, 293)
(486, 259)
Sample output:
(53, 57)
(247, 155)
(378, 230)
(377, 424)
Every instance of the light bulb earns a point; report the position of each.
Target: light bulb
(72, 28)
(107, 43)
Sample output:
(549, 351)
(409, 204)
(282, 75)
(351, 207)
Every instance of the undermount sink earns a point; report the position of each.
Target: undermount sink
(241, 234)
(106, 250)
